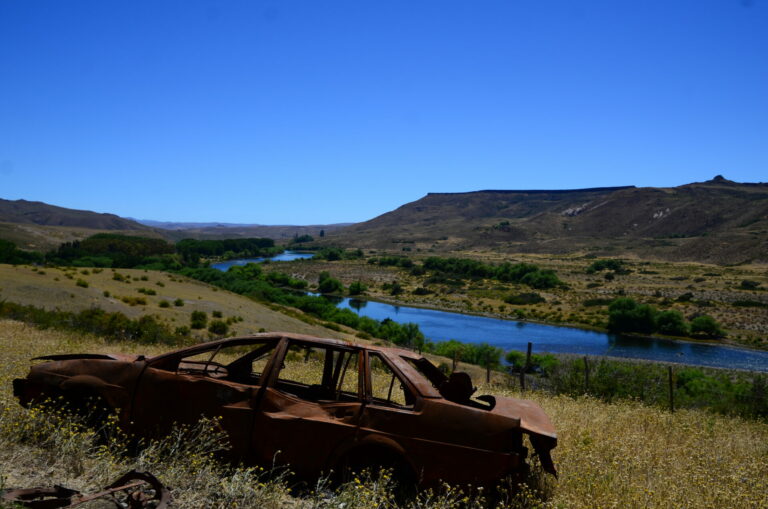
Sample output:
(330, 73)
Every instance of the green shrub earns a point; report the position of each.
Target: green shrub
(178, 303)
(164, 304)
(82, 282)
(198, 320)
(626, 315)
(522, 299)
(357, 288)
(327, 284)
(218, 327)
(671, 323)
(705, 325)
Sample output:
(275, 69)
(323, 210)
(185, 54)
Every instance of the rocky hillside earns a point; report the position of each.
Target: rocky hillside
(716, 221)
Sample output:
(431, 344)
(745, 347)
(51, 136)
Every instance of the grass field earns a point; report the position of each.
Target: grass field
(609, 455)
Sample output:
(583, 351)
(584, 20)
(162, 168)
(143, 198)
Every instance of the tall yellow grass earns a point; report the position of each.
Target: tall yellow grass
(609, 455)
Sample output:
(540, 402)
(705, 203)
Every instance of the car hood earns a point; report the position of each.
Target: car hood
(534, 422)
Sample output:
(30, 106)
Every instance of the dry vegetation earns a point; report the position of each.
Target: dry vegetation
(609, 455)
(688, 287)
(136, 293)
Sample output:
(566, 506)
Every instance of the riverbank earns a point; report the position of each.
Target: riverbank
(691, 289)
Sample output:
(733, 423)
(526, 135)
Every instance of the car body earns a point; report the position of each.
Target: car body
(315, 404)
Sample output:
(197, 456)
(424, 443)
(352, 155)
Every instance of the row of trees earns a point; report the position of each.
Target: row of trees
(524, 273)
(191, 250)
(251, 281)
(627, 315)
(126, 251)
(9, 253)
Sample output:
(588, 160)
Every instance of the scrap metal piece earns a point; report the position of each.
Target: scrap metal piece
(133, 490)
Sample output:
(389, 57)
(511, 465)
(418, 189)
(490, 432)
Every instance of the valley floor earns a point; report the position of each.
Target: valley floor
(690, 288)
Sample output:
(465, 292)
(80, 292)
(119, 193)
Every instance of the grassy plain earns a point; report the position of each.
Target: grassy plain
(691, 288)
(609, 455)
(130, 291)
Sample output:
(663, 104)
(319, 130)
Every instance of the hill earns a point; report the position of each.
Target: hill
(136, 293)
(39, 226)
(39, 213)
(717, 221)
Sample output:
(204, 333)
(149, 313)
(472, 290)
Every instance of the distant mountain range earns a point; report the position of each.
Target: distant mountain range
(717, 221)
(40, 226)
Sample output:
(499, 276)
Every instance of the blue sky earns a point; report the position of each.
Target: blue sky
(313, 112)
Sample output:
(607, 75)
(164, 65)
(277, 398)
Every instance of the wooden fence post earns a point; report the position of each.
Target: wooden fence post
(586, 375)
(671, 391)
(525, 366)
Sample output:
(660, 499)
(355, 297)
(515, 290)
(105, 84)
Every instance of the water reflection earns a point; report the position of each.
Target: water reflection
(286, 256)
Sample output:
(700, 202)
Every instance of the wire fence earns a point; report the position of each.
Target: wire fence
(732, 392)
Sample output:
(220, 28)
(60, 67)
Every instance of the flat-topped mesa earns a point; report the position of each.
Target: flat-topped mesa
(539, 191)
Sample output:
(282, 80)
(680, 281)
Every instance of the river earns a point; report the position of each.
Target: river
(285, 256)
(514, 335)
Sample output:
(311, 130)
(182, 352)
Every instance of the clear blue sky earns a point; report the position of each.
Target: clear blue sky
(308, 112)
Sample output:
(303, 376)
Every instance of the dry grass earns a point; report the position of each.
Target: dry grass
(58, 288)
(609, 455)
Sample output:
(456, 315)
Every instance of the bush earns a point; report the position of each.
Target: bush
(749, 285)
(671, 323)
(164, 304)
(178, 303)
(82, 283)
(216, 314)
(522, 299)
(198, 320)
(218, 327)
(327, 284)
(357, 288)
(626, 315)
(707, 326)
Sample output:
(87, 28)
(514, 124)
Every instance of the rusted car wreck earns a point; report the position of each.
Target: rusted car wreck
(315, 404)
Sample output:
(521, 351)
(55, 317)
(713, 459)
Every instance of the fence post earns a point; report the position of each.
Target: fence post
(671, 391)
(586, 375)
(455, 360)
(526, 366)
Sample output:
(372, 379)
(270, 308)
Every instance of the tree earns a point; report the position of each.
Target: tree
(705, 325)
(412, 335)
(626, 315)
(671, 323)
(357, 288)
(327, 284)
(488, 357)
